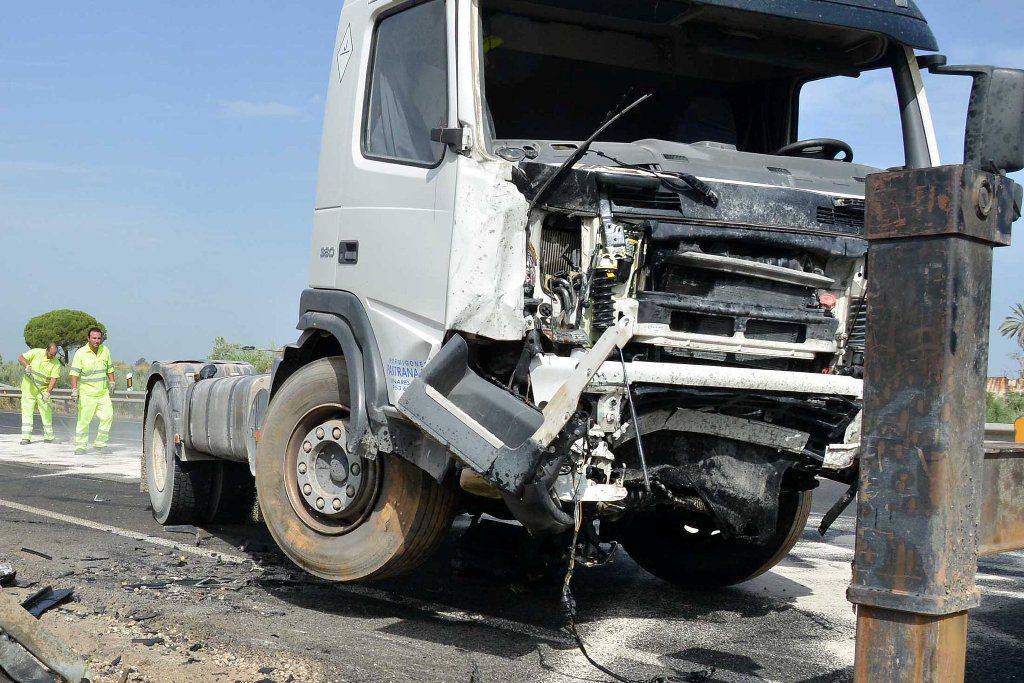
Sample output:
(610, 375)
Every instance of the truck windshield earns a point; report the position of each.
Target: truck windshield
(730, 78)
(863, 112)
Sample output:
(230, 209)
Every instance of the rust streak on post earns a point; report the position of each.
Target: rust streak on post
(923, 466)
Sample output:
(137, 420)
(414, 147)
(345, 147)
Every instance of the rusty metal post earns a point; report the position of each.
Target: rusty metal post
(932, 232)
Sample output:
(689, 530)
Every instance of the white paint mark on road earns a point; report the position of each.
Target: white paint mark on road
(127, 533)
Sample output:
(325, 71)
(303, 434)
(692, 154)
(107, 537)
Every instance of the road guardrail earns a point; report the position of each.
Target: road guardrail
(125, 397)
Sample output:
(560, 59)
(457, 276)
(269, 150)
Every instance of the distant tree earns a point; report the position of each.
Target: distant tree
(67, 327)
(1013, 325)
(225, 350)
(141, 361)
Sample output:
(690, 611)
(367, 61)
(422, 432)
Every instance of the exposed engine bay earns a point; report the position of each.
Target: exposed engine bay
(782, 291)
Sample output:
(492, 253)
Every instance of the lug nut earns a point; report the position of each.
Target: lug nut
(307, 489)
(302, 468)
(355, 469)
(336, 433)
(350, 491)
(319, 432)
(320, 503)
(336, 504)
(307, 446)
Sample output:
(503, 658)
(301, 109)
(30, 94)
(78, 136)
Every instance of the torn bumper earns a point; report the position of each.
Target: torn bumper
(552, 371)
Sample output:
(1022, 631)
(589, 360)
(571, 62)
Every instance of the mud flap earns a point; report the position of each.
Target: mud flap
(484, 425)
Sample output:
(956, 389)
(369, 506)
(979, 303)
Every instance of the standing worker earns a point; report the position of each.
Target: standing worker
(41, 372)
(92, 383)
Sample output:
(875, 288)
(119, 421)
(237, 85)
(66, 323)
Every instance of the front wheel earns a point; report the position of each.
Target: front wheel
(337, 515)
(682, 552)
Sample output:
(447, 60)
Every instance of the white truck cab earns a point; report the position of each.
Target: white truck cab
(570, 266)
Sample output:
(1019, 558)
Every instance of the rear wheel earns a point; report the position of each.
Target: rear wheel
(179, 491)
(232, 494)
(334, 514)
(685, 551)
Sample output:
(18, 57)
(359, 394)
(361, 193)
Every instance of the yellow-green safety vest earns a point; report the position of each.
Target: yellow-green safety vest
(40, 368)
(91, 370)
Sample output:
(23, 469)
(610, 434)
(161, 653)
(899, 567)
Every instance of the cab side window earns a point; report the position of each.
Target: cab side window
(408, 94)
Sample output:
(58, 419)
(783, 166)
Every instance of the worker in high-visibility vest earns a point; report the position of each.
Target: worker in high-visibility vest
(92, 383)
(41, 369)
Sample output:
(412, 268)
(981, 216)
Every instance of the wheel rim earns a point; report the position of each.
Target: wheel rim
(158, 451)
(331, 490)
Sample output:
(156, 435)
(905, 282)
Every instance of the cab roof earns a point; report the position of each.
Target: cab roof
(898, 20)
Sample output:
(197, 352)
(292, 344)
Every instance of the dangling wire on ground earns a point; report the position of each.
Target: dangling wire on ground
(568, 603)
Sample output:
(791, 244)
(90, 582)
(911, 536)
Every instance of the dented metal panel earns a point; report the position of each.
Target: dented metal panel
(488, 261)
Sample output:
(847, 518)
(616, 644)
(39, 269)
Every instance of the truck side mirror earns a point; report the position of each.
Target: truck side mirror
(995, 117)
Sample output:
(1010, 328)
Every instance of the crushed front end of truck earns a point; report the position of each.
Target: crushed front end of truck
(660, 332)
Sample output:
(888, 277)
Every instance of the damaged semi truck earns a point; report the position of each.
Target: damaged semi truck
(571, 266)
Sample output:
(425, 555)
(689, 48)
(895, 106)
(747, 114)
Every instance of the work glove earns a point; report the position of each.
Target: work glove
(111, 386)
(46, 396)
(74, 394)
(27, 370)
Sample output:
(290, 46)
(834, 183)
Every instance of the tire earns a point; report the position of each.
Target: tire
(659, 543)
(232, 494)
(179, 491)
(398, 523)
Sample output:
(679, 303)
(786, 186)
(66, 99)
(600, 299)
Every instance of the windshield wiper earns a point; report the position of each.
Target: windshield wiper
(668, 178)
(559, 175)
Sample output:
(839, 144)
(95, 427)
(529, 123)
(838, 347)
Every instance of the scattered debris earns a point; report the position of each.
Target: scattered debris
(195, 647)
(20, 665)
(98, 499)
(148, 642)
(44, 599)
(151, 585)
(116, 661)
(26, 630)
(95, 558)
(143, 615)
(36, 553)
(265, 670)
(7, 574)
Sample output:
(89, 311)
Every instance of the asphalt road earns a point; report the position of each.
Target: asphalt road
(249, 610)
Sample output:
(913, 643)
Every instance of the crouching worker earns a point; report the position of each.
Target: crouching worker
(92, 383)
(41, 369)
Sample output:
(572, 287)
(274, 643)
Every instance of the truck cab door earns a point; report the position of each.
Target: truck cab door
(397, 186)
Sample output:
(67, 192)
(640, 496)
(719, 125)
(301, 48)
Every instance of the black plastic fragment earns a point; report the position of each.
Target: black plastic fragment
(44, 599)
(148, 642)
(36, 553)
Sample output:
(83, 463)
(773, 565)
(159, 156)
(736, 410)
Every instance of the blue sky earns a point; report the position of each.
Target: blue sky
(158, 160)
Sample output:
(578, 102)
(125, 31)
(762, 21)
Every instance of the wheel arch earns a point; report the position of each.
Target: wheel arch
(332, 323)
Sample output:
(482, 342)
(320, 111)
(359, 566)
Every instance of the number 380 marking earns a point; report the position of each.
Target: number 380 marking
(326, 252)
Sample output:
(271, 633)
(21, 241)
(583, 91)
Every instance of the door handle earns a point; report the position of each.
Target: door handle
(348, 252)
